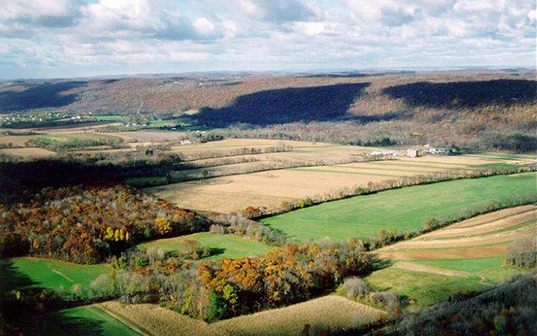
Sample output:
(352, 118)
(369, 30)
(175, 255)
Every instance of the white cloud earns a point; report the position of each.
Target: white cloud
(43, 36)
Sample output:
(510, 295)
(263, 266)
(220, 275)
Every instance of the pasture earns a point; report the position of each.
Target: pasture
(221, 246)
(404, 209)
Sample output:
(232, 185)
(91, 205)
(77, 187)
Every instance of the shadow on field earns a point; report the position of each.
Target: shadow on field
(503, 92)
(23, 316)
(44, 95)
(11, 279)
(280, 106)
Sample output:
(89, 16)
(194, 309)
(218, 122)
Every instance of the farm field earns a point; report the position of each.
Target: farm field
(86, 320)
(46, 273)
(430, 268)
(401, 209)
(270, 188)
(329, 312)
(223, 246)
(28, 152)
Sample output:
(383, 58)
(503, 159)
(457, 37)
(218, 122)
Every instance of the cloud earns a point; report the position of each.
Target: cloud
(29, 13)
(276, 11)
(79, 37)
(145, 18)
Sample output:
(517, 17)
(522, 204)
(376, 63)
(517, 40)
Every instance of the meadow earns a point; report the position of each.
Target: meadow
(404, 209)
(221, 246)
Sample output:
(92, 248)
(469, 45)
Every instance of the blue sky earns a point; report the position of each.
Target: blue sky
(72, 38)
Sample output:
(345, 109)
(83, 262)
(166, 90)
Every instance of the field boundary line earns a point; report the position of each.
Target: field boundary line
(410, 266)
(122, 319)
(62, 275)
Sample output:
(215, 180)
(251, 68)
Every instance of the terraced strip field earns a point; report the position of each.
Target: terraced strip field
(483, 236)
(329, 312)
(223, 246)
(430, 268)
(24, 272)
(401, 209)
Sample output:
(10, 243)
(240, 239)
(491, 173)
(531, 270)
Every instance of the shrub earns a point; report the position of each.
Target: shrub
(523, 252)
(431, 224)
(355, 287)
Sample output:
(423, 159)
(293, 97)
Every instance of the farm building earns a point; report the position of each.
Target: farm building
(412, 152)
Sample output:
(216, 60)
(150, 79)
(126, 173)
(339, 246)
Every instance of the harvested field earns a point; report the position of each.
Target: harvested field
(482, 236)
(269, 189)
(329, 312)
(16, 140)
(148, 136)
(159, 321)
(28, 152)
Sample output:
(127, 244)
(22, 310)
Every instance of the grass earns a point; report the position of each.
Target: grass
(223, 246)
(423, 289)
(53, 139)
(110, 117)
(466, 265)
(404, 209)
(46, 273)
(85, 320)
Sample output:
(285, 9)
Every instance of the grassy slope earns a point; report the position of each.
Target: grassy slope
(424, 288)
(229, 246)
(466, 265)
(401, 209)
(100, 321)
(48, 273)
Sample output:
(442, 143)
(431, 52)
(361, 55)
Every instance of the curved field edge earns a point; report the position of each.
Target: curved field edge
(404, 209)
(331, 312)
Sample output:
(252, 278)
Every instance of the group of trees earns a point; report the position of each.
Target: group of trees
(212, 290)
(87, 224)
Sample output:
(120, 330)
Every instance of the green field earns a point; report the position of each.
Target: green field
(80, 321)
(109, 117)
(404, 209)
(428, 288)
(466, 265)
(24, 272)
(225, 246)
(424, 289)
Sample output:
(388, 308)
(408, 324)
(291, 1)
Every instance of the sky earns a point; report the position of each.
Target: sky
(78, 38)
